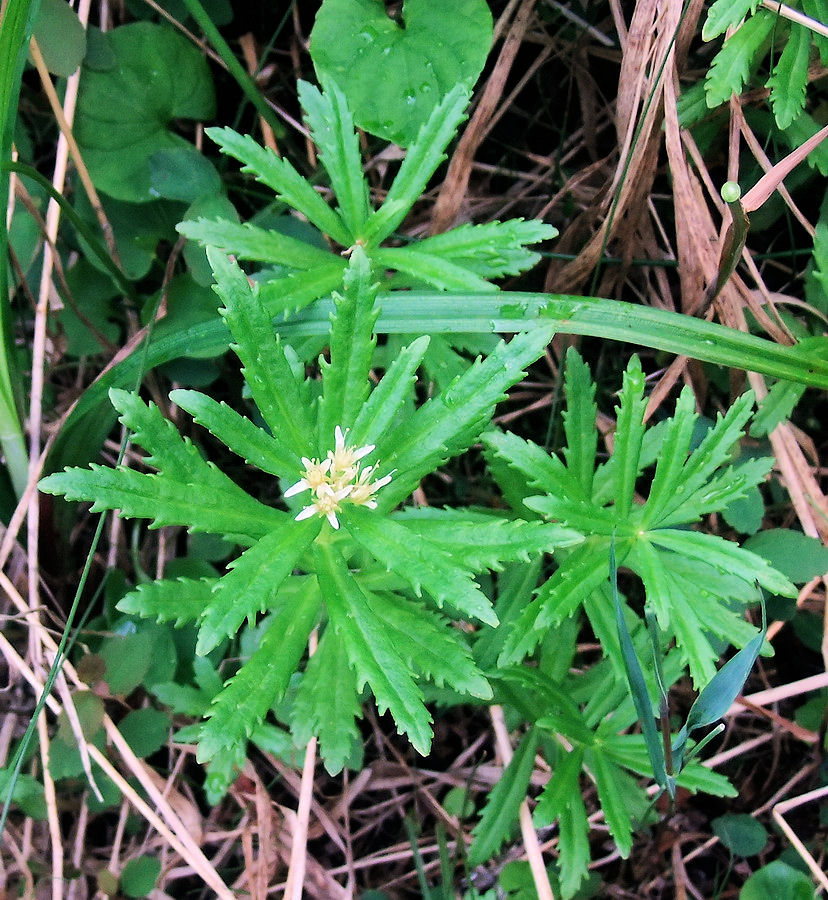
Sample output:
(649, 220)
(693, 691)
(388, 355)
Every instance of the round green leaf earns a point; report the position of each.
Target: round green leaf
(777, 881)
(127, 659)
(139, 876)
(395, 74)
(60, 36)
(182, 173)
(145, 730)
(793, 553)
(127, 99)
(741, 834)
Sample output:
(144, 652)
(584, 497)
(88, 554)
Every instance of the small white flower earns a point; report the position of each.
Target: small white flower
(336, 479)
(342, 458)
(326, 503)
(314, 476)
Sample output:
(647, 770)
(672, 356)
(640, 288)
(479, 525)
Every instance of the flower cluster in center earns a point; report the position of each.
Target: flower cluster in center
(337, 479)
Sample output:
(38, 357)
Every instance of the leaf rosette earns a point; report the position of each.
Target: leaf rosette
(383, 586)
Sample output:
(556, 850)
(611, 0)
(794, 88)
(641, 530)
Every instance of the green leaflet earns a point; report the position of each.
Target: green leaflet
(724, 14)
(480, 540)
(370, 650)
(724, 555)
(177, 600)
(446, 425)
(420, 163)
(345, 382)
(579, 421)
(790, 77)
(609, 780)
(380, 411)
(419, 562)
(434, 270)
(327, 703)
(573, 845)
(670, 464)
(279, 175)
(501, 811)
(490, 250)
(285, 296)
(262, 680)
(251, 584)
(332, 129)
(266, 369)
(243, 437)
(561, 788)
(628, 437)
(165, 501)
(542, 470)
(429, 645)
(731, 66)
(248, 241)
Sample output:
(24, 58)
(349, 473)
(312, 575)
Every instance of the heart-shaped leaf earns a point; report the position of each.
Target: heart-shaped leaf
(135, 80)
(394, 74)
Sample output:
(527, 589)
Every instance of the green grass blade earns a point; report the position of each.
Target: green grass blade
(434, 313)
(638, 687)
(234, 67)
(15, 28)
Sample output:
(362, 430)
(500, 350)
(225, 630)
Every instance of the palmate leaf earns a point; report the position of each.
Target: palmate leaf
(429, 645)
(280, 176)
(238, 433)
(177, 600)
(381, 409)
(345, 382)
(419, 562)
(480, 540)
(248, 241)
(262, 680)
(327, 703)
(369, 647)
(732, 64)
(421, 161)
(332, 129)
(490, 250)
(790, 76)
(267, 370)
(164, 500)
(503, 803)
(253, 580)
(447, 424)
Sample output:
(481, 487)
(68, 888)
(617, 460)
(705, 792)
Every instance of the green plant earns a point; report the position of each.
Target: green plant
(381, 586)
(357, 578)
